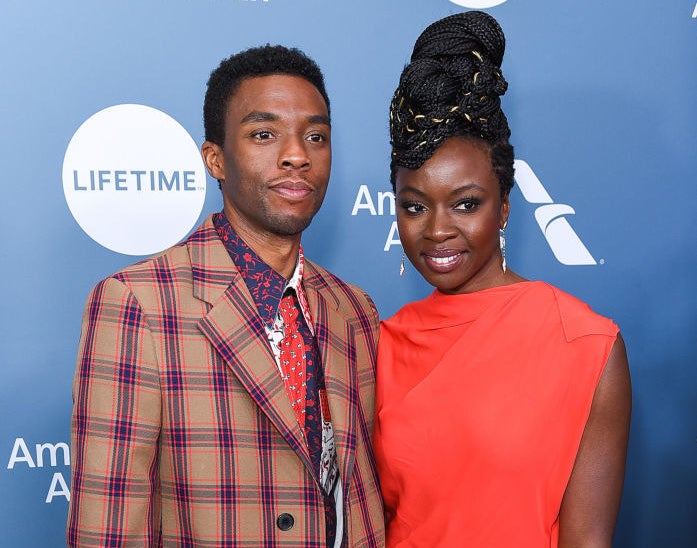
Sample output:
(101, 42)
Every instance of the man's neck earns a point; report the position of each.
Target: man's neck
(277, 251)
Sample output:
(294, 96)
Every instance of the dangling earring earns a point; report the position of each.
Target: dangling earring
(502, 245)
(401, 265)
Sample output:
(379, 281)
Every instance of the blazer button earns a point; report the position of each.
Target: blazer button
(285, 522)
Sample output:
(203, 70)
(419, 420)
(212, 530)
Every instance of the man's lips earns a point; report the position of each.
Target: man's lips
(293, 189)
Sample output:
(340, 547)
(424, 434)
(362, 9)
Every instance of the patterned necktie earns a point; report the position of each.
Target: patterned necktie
(293, 359)
(304, 385)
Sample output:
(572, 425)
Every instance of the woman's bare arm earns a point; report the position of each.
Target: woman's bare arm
(592, 498)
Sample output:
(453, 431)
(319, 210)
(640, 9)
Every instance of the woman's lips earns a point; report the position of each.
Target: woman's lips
(443, 261)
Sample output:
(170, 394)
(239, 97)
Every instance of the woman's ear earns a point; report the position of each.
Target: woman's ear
(505, 210)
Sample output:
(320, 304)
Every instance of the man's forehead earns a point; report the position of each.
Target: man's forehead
(273, 83)
(273, 95)
(256, 116)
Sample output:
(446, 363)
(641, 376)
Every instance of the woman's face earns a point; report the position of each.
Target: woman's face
(449, 212)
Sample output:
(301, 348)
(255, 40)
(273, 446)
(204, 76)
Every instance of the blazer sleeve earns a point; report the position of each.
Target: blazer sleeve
(115, 425)
(372, 321)
(375, 318)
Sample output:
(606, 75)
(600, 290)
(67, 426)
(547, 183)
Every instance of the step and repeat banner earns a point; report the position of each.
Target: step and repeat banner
(101, 109)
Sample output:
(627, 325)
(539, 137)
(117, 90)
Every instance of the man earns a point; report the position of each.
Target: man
(224, 388)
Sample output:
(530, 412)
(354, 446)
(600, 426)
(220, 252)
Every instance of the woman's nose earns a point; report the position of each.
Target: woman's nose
(439, 227)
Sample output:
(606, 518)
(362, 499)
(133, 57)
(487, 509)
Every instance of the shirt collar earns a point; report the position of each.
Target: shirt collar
(266, 286)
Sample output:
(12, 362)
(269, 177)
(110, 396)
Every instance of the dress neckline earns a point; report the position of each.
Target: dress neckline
(515, 286)
(440, 310)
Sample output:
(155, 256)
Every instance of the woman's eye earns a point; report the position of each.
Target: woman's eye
(468, 205)
(413, 208)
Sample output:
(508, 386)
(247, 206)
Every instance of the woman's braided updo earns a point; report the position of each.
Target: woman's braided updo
(452, 87)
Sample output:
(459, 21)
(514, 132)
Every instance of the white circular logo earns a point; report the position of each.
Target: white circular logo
(134, 179)
(478, 4)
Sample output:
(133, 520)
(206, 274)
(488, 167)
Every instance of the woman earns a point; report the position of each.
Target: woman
(503, 404)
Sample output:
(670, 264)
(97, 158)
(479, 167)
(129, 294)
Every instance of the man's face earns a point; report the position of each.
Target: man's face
(276, 158)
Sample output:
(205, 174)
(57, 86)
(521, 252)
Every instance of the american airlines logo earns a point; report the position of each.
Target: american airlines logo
(551, 218)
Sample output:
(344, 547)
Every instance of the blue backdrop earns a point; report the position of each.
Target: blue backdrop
(602, 105)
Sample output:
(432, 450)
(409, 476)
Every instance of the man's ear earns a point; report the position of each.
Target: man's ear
(212, 156)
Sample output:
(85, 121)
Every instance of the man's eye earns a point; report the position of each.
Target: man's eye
(316, 138)
(263, 135)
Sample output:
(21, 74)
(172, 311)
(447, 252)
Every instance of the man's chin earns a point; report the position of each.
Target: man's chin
(291, 226)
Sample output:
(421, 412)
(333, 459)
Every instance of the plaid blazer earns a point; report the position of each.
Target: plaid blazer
(182, 432)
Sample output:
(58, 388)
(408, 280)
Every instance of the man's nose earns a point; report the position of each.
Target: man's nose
(293, 153)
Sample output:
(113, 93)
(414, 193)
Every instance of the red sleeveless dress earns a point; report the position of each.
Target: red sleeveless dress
(482, 399)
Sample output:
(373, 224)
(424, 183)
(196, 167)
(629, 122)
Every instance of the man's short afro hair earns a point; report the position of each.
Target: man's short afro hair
(258, 61)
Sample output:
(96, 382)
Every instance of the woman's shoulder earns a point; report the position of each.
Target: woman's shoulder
(576, 316)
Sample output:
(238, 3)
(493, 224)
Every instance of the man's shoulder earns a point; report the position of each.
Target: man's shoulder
(172, 265)
(346, 295)
(324, 281)
(158, 268)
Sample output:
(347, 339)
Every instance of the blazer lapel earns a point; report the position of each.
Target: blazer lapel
(335, 339)
(235, 330)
